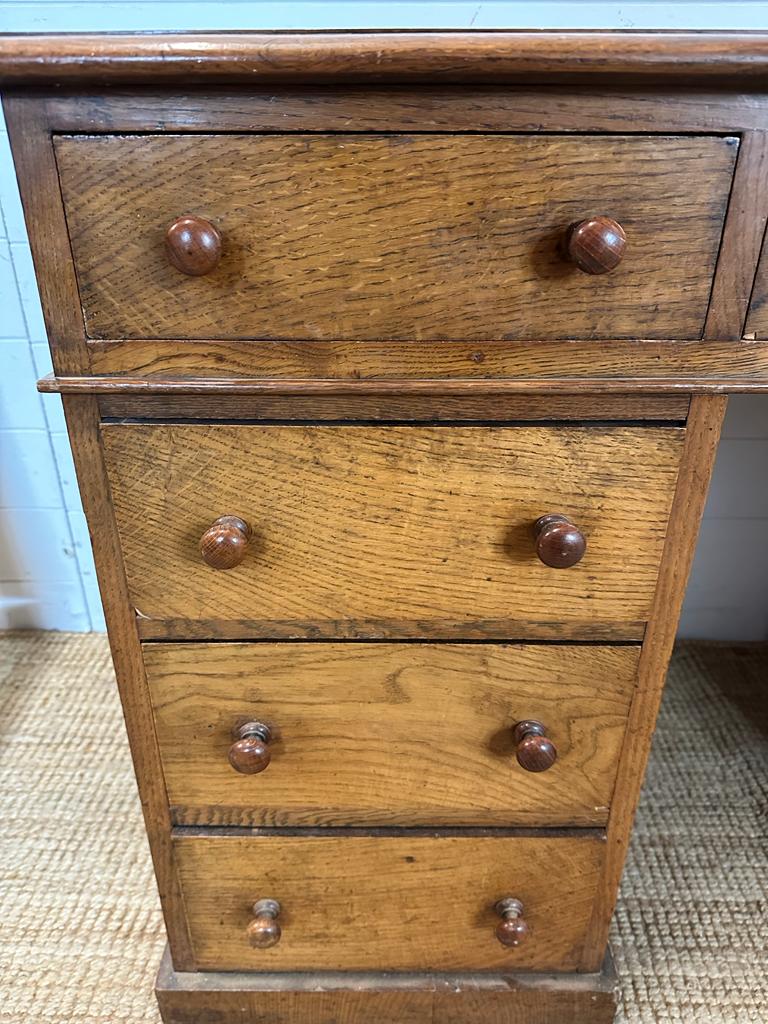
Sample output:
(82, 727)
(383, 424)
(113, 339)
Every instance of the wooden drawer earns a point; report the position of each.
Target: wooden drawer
(394, 236)
(390, 733)
(389, 902)
(391, 531)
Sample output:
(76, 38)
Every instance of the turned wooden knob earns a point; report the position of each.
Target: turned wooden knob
(535, 751)
(249, 754)
(193, 246)
(596, 245)
(224, 543)
(559, 544)
(512, 928)
(264, 931)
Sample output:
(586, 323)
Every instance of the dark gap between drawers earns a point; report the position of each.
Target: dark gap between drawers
(315, 422)
(384, 831)
(523, 642)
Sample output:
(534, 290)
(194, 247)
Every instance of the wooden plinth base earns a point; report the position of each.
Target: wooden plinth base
(334, 998)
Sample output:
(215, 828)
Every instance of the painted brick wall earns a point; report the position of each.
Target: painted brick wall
(47, 578)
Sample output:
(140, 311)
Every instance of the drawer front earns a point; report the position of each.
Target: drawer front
(390, 733)
(393, 237)
(392, 531)
(404, 902)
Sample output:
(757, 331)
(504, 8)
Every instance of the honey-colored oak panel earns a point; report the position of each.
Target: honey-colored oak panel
(413, 237)
(388, 902)
(419, 530)
(390, 733)
(256, 58)
(593, 368)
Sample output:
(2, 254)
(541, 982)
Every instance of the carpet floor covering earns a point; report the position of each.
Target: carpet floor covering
(80, 927)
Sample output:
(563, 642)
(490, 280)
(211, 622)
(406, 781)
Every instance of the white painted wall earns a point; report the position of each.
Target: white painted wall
(47, 578)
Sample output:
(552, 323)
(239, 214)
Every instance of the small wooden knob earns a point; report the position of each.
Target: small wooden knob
(559, 544)
(224, 543)
(264, 931)
(535, 751)
(193, 246)
(249, 754)
(596, 245)
(512, 928)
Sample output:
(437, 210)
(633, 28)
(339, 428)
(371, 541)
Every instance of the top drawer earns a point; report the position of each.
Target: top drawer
(394, 237)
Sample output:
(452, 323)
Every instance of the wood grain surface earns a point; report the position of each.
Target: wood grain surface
(84, 435)
(398, 237)
(742, 238)
(389, 902)
(698, 458)
(336, 997)
(390, 733)
(757, 318)
(394, 408)
(539, 368)
(364, 530)
(254, 57)
(37, 175)
(401, 108)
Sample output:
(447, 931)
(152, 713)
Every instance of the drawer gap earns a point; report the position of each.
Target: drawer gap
(383, 831)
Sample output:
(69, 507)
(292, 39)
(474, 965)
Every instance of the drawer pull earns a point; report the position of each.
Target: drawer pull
(264, 931)
(193, 246)
(535, 750)
(249, 754)
(596, 245)
(224, 543)
(512, 929)
(559, 544)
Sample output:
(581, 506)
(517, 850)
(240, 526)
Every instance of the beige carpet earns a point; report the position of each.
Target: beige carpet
(80, 929)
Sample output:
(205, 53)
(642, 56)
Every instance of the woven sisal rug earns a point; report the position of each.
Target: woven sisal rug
(80, 928)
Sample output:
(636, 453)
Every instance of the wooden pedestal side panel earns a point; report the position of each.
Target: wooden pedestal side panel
(391, 531)
(410, 237)
(704, 424)
(321, 997)
(390, 900)
(410, 734)
(83, 424)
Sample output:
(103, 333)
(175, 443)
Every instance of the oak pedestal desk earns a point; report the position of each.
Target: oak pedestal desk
(394, 366)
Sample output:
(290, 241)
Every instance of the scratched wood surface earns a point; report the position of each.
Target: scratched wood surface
(595, 366)
(335, 997)
(396, 407)
(394, 237)
(377, 531)
(697, 460)
(401, 108)
(389, 902)
(757, 318)
(390, 733)
(719, 59)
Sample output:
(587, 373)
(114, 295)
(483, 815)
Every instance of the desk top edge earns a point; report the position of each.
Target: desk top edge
(727, 57)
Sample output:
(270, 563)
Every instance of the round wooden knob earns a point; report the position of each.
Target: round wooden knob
(264, 931)
(596, 245)
(535, 751)
(249, 754)
(512, 928)
(193, 246)
(224, 543)
(559, 544)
